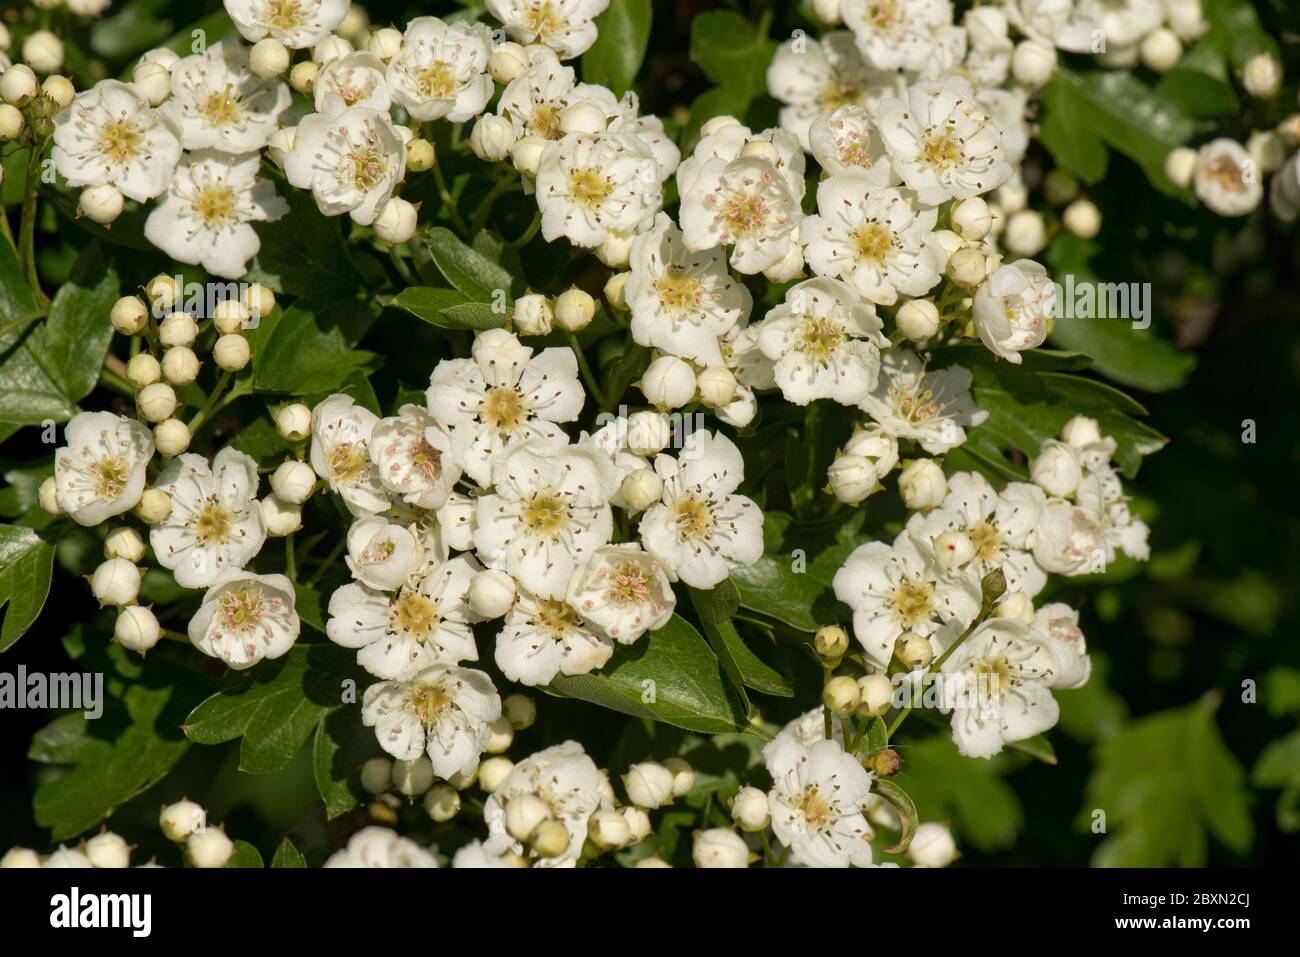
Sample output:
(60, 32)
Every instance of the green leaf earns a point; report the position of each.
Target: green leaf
(274, 706)
(902, 803)
(286, 855)
(307, 602)
(246, 855)
(615, 57)
(1236, 30)
(342, 743)
(730, 51)
(303, 253)
(465, 268)
(944, 785)
(307, 348)
(784, 585)
(26, 566)
(1282, 691)
(1036, 747)
(1200, 84)
(449, 309)
(671, 675)
(1068, 136)
(719, 101)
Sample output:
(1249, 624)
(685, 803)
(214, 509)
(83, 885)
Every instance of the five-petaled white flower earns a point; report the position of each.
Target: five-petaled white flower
(381, 847)
(591, 185)
(814, 78)
(101, 471)
(357, 79)
(930, 406)
(623, 592)
(532, 101)
(215, 524)
(246, 617)
(414, 456)
(543, 637)
(219, 104)
(340, 453)
(846, 140)
(382, 554)
(1013, 307)
(350, 161)
(818, 799)
(441, 70)
(295, 23)
(563, 25)
(914, 35)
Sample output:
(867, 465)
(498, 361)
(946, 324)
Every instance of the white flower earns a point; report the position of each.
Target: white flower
(111, 135)
(550, 509)
(1123, 22)
(543, 637)
(1012, 308)
(441, 70)
(246, 617)
(942, 143)
(380, 847)
(357, 79)
(623, 592)
(896, 588)
(1056, 469)
(295, 23)
(818, 797)
(382, 554)
(101, 471)
(1226, 179)
(504, 396)
(591, 185)
(847, 140)
(701, 525)
(910, 35)
(1054, 22)
(218, 103)
(570, 785)
(204, 218)
(719, 847)
(682, 301)
(475, 855)
(815, 77)
(350, 161)
(1000, 527)
(563, 25)
(340, 453)
(874, 239)
(440, 711)
(215, 523)
(825, 341)
(532, 101)
(746, 203)
(932, 845)
(425, 622)
(626, 118)
(1060, 623)
(414, 457)
(930, 406)
(1005, 672)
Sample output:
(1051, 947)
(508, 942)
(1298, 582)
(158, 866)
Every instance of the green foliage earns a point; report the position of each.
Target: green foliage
(615, 57)
(26, 566)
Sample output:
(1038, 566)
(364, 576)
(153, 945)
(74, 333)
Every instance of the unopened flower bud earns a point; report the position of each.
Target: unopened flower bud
(156, 402)
(887, 763)
(303, 76)
(153, 80)
(574, 309)
(19, 857)
(155, 505)
(1033, 63)
(414, 777)
(1262, 76)
(831, 642)
(841, 695)
(492, 138)
(527, 153)
(129, 315)
(615, 291)
(491, 593)
(918, 319)
(442, 803)
(922, 484)
(493, 771)
(507, 61)
(281, 517)
(293, 422)
(18, 85)
(178, 821)
(124, 543)
(48, 496)
(178, 329)
(293, 481)
(932, 846)
(1056, 470)
(788, 267)
(716, 386)
(332, 48)
(972, 219)
(1161, 50)
(108, 850)
(1026, 233)
(761, 150)
(852, 478)
(719, 847)
(385, 43)
(582, 116)
(533, 315)
(608, 830)
(750, 809)
(143, 370)
(914, 650)
(101, 204)
(968, 267)
(875, 693)
(180, 366)
(952, 550)
(115, 582)
(993, 585)
(520, 711)
(209, 848)
(396, 222)
(827, 11)
(1083, 218)
(616, 249)
(11, 123)
(1180, 166)
(550, 839)
(268, 58)
(668, 383)
(500, 736)
(649, 784)
(136, 628)
(1017, 606)
(641, 488)
(1080, 431)
(524, 814)
(377, 776)
(172, 437)
(648, 433)
(683, 775)
(638, 823)
(420, 155)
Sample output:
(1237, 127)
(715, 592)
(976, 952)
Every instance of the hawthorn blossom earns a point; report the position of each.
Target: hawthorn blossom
(100, 472)
(910, 35)
(381, 847)
(1226, 179)
(246, 617)
(815, 77)
(818, 798)
(1059, 23)
(340, 453)
(532, 101)
(931, 406)
(382, 554)
(415, 457)
(357, 79)
(219, 104)
(295, 23)
(589, 186)
(746, 204)
(441, 70)
(847, 139)
(1013, 307)
(623, 592)
(543, 637)
(563, 25)
(351, 161)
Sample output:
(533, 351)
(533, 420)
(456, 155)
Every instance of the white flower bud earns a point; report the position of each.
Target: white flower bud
(533, 315)
(330, 49)
(527, 153)
(115, 582)
(1267, 149)
(269, 58)
(156, 402)
(1161, 50)
(385, 43)
(1262, 76)
(413, 778)
(18, 84)
(229, 316)
(668, 383)
(178, 821)
(875, 692)
(293, 481)
(20, 857)
(913, 650)
(788, 267)
(750, 809)
(153, 80)
(155, 505)
(492, 138)
(852, 478)
(136, 628)
(164, 57)
(841, 694)
(1012, 196)
(641, 488)
(582, 116)
(649, 784)
(1056, 470)
(491, 593)
(922, 484)
(875, 445)
(108, 850)
(1016, 605)
(280, 143)
(48, 495)
(616, 249)
(11, 123)
(420, 155)
(551, 839)
(163, 291)
(918, 319)
(648, 433)
(178, 329)
(520, 711)
(303, 76)
(712, 126)
(293, 422)
(1080, 431)
(377, 776)
(355, 24)
(143, 370)
(209, 848)
(396, 222)
(508, 60)
(608, 830)
(6, 41)
(716, 386)
(493, 771)
(172, 437)
(952, 550)
(683, 776)
(972, 219)
(719, 847)
(1026, 233)
(442, 803)
(129, 315)
(282, 518)
(180, 366)
(1083, 218)
(827, 11)
(761, 150)
(831, 642)
(932, 846)
(1033, 63)
(615, 291)
(968, 267)
(124, 543)
(638, 823)
(524, 814)
(1180, 166)
(500, 736)
(574, 309)
(101, 204)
